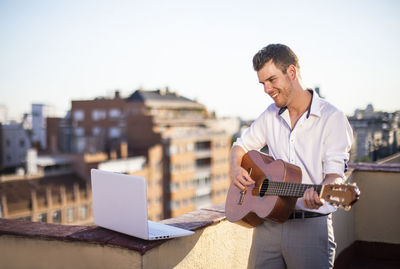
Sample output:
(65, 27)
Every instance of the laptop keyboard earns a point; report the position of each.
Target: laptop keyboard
(162, 231)
(158, 234)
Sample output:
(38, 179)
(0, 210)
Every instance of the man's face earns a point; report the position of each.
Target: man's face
(276, 84)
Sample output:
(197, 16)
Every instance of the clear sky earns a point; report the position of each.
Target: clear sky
(53, 52)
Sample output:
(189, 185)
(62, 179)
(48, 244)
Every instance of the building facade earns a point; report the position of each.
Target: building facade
(376, 134)
(195, 151)
(38, 116)
(193, 164)
(97, 125)
(14, 143)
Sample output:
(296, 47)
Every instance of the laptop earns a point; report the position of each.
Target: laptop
(120, 204)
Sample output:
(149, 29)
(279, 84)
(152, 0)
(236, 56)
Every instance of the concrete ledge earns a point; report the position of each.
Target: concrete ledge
(217, 243)
(376, 167)
(97, 235)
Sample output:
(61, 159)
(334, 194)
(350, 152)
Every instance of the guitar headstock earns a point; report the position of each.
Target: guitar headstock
(341, 195)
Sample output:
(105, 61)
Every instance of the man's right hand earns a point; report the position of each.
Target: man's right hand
(241, 178)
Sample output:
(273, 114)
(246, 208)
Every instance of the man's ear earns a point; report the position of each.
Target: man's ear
(292, 72)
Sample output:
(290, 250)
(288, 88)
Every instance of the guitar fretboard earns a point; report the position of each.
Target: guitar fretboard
(286, 188)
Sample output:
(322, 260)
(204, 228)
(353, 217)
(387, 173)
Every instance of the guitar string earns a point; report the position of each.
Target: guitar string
(287, 188)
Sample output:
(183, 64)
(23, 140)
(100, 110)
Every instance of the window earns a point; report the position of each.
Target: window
(184, 184)
(70, 214)
(175, 204)
(114, 113)
(83, 212)
(99, 114)
(22, 143)
(173, 150)
(79, 131)
(96, 130)
(114, 132)
(174, 186)
(190, 147)
(42, 217)
(57, 216)
(79, 115)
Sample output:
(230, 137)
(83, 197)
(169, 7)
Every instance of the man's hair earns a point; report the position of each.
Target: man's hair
(281, 55)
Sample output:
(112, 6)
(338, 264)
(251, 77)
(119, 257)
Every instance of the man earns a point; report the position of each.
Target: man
(305, 130)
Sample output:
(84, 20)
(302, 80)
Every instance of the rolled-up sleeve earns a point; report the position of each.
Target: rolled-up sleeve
(253, 138)
(337, 144)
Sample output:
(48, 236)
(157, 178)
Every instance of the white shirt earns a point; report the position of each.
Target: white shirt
(318, 144)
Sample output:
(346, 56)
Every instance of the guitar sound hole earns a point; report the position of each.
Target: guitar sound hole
(264, 187)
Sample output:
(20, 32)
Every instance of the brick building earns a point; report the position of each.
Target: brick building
(192, 165)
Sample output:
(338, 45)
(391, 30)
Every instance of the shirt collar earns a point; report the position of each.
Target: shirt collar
(314, 107)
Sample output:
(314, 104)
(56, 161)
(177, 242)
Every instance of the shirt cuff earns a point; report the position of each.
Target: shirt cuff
(239, 143)
(335, 167)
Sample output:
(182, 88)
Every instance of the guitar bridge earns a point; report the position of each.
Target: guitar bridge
(241, 197)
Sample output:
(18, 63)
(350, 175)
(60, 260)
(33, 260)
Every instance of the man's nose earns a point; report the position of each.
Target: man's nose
(267, 87)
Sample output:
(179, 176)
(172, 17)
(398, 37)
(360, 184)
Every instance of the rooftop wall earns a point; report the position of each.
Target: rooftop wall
(216, 243)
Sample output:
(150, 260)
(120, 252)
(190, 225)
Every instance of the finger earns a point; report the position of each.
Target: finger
(238, 184)
(306, 201)
(317, 201)
(247, 177)
(247, 182)
(241, 182)
(308, 198)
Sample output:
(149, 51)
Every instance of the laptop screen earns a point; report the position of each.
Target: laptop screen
(120, 202)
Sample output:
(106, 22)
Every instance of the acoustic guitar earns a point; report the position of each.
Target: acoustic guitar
(275, 192)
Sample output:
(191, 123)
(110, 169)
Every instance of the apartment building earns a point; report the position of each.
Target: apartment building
(97, 125)
(193, 168)
(197, 170)
(195, 152)
(53, 194)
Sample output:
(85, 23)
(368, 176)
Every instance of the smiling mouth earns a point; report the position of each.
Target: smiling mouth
(275, 95)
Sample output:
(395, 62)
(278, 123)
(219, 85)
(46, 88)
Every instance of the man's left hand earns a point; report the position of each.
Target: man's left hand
(311, 199)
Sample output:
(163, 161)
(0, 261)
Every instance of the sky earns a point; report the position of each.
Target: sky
(52, 52)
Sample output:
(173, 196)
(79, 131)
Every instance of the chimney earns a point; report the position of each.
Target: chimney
(117, 95)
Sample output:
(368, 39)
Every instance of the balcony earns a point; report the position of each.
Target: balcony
(367, 236)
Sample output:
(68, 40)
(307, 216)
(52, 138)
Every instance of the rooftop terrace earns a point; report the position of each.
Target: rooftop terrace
(368, 236)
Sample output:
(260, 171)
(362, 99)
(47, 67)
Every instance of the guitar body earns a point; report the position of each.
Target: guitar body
(253, 209)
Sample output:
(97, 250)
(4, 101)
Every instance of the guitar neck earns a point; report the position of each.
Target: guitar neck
(290, 189)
